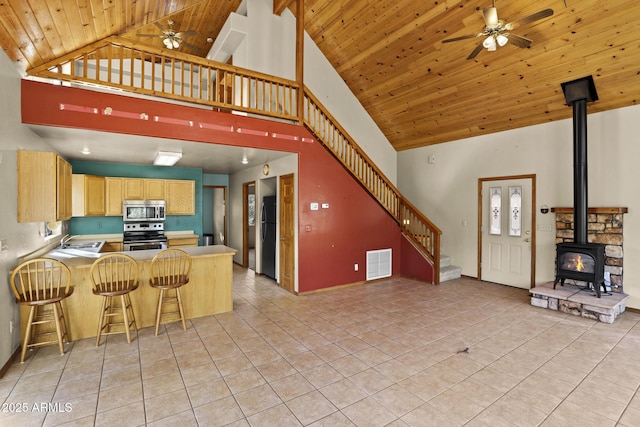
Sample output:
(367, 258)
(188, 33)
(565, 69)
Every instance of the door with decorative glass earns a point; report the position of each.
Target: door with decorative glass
(506, 232)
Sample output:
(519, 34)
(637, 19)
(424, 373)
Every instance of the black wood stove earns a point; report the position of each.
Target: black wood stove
(580, 260)
(583, 262)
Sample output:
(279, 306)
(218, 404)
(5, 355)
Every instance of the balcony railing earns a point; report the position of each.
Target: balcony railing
(119, 63)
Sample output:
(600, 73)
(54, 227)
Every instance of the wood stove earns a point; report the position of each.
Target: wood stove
(583, 262)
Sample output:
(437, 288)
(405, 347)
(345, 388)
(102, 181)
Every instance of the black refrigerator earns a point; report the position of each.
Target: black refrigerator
(268, 236)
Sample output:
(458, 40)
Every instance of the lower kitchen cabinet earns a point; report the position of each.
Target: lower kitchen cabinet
(176, 242)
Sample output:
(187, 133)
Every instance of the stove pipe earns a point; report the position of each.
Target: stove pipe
(577, 93)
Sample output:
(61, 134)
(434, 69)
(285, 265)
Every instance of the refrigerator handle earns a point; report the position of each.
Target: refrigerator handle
(263, 229)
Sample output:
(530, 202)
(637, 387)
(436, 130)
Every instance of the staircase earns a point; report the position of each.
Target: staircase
(448, 271)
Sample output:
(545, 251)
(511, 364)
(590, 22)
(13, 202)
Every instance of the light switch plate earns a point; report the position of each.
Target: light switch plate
(325, 206)
(314, 206)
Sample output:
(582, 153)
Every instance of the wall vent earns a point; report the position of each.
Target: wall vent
(378, 264)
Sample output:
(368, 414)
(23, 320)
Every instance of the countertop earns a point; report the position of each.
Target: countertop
(146, 255)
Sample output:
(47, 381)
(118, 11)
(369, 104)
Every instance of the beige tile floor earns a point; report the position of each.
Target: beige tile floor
(387, 353)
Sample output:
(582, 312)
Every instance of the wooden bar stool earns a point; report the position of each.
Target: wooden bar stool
(42, 284)
(170, 269)
(114, 277)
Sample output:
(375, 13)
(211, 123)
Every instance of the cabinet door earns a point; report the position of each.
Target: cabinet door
(133, 188)
(37, 192)
(180, 196)
(94, 195)
(63, 183)
(113, 196)
(154, 189)
(177, 242)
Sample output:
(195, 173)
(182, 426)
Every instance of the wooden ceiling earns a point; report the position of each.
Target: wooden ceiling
(390, 53)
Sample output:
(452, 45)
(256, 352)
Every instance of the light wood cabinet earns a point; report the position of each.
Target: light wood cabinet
(88, 195)
(176, 242)
(154, 189)
(44, 187)
(180, 196)
(63, 186)
(133, 188)
(113, 196)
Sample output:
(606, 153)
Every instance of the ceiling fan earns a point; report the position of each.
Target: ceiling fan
(497, 33)
(171, 38)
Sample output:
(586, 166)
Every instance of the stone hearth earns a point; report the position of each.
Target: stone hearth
(573, 300)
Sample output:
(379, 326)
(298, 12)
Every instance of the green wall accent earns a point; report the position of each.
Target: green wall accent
(114, 225)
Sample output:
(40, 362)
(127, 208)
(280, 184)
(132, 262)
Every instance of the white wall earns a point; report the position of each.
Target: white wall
(446, 190)
(20, 239)
(283, 166)
(270, 48)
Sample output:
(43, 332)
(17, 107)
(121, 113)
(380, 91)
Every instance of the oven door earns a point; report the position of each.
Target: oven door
(142, 246)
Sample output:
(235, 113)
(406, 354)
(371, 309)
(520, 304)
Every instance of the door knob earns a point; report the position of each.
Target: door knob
(527, 240)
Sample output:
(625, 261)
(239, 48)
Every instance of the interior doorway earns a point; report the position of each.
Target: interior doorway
(214, 213)
(506, 230)
(249, 225)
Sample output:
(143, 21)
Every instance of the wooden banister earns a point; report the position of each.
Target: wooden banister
(120, 63)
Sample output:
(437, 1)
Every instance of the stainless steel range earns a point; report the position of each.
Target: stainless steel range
(139, 236)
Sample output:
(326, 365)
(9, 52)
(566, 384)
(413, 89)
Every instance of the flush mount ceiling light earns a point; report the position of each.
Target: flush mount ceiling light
(86, 151)
(244, 160)
(166, 158)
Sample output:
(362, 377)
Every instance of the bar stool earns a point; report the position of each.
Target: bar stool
(115, 276)
(42, 284)
(170, 269)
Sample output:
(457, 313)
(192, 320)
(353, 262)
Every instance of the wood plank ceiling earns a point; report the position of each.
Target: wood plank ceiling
(390, 53)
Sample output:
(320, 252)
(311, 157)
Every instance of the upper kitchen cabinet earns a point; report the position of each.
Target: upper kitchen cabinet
(88, 195)
(133, 188)
(154, 189)
(113, 195)
(63, 186)
(180, 196)
(44, 187)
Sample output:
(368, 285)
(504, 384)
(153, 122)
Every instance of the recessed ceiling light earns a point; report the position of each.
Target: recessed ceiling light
(85, 151)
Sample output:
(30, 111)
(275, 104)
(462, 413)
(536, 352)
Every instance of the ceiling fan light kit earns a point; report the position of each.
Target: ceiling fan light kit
(496, 31)
(172, 39)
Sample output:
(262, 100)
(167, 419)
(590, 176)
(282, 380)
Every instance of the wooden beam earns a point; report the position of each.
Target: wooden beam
(300, 59)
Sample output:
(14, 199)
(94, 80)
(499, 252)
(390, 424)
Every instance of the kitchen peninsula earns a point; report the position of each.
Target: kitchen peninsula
(209, 291)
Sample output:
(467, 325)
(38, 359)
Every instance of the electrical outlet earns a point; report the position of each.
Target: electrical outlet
(355, 267)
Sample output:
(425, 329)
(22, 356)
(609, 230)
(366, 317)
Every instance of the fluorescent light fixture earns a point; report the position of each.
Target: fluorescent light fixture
(166, 158)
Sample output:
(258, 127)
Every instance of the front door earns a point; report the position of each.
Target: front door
(287, 233)
(507, 231)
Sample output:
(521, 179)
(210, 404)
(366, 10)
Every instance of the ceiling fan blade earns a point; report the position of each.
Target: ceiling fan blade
(530, 18)
(157, 24)
(455, 39)
(150, 35)
(476, 51)
(519, 41)
(190, 46)
(490, 16)
(187, 33)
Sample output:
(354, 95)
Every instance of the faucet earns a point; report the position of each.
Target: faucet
(65, 239)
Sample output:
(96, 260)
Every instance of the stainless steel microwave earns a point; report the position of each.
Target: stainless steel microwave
(143, 210)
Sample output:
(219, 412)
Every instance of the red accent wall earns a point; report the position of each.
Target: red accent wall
(330, 240)
(413, 263)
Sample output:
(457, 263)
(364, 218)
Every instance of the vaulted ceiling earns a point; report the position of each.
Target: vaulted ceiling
(390, 53)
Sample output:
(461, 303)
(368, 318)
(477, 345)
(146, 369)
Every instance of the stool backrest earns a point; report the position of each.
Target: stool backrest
(171, 267)
(114, 273)
(40, 280)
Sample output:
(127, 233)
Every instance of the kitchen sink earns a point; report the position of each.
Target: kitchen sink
(92, 246)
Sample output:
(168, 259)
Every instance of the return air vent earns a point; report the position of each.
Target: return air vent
(378, 264)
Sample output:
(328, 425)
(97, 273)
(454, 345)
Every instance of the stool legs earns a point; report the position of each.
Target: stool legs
(162, 299)
(109, 309)
(38, 317)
